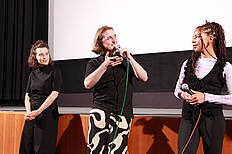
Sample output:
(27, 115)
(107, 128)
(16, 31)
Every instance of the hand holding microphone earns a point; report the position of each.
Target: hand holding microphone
(187, 93)
(111, 61)
(122, 51)
(185, 88)
(191, 96)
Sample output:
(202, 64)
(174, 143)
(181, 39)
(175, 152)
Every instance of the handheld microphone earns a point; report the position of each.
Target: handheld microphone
(117, 48)
(185, 88)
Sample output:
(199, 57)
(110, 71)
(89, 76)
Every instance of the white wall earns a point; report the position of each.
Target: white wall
(143, 26)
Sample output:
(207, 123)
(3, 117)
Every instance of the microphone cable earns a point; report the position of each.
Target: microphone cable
(124, 102)
(191, 135)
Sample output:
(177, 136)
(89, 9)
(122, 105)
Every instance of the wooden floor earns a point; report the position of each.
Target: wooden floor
(149, 135)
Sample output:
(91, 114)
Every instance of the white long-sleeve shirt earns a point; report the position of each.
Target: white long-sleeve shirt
(203, 67)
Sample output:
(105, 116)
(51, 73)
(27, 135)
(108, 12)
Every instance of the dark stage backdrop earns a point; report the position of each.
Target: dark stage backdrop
(22, 22)
(163, 70)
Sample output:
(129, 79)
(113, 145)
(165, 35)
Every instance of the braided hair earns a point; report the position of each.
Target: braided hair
(219, 43)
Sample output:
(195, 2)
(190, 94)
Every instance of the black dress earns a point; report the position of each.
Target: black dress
(39, 135)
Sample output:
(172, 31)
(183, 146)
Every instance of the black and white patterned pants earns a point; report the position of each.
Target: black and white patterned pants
(108, 133)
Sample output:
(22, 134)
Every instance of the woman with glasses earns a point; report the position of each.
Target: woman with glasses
(110, 75)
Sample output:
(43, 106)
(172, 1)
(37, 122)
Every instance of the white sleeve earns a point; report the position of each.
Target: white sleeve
(223, 99)
(178, 90)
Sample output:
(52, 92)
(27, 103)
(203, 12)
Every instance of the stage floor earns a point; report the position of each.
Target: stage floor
(149, 112)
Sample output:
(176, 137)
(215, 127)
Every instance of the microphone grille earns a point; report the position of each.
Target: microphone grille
(184, 87)
(117, 47)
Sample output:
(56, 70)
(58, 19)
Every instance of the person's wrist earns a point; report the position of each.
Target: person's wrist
(204, 97)
(181, 95)
(37, 112)
(105, 65)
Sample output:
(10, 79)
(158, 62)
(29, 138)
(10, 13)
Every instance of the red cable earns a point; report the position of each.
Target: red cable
(192, 133)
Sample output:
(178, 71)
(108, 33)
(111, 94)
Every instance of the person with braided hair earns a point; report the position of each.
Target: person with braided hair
(208, 75)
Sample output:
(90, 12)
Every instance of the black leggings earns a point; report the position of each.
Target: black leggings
(210, 129)
(101, 134)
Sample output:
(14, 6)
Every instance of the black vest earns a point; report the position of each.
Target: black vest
(212, 83)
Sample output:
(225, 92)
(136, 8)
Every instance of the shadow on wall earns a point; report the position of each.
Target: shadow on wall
(148, 135)
(154, 135)
(70, 139)
(160, 135)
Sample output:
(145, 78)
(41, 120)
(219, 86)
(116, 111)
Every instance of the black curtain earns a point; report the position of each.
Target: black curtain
(22, 23)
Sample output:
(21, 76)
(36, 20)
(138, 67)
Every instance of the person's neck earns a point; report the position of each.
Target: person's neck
(208, 53)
